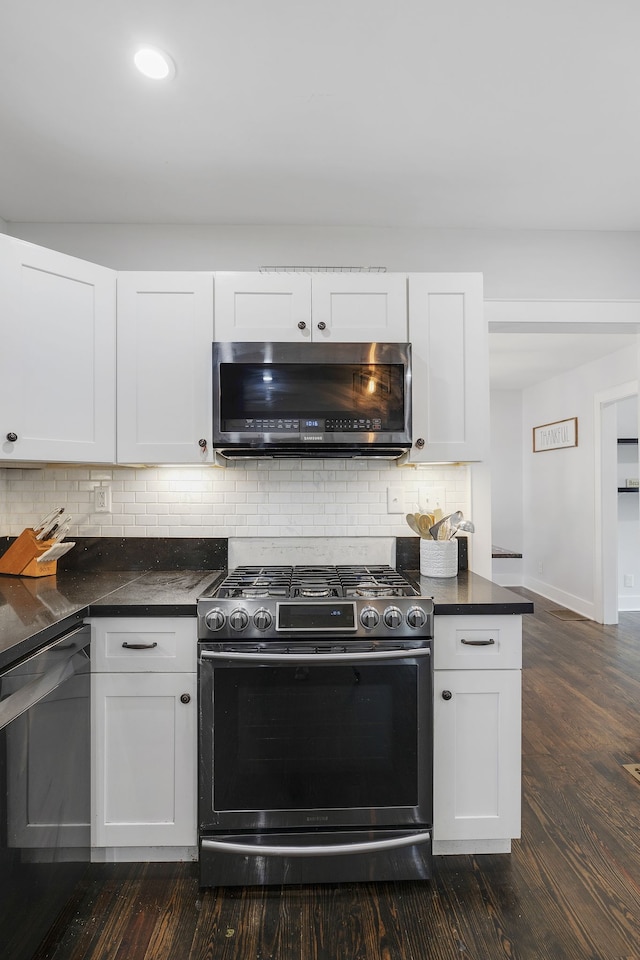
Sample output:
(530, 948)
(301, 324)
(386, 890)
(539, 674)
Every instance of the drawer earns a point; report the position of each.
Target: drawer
(143, 644)
(478, 642)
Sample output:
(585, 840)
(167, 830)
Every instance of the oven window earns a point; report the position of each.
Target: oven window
(321, 736)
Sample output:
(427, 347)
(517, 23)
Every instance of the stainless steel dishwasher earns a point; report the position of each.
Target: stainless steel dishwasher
(44, 788)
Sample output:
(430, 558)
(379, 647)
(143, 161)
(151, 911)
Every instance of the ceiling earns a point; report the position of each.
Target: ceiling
(342, 112)
(411, 113)
(520, 360)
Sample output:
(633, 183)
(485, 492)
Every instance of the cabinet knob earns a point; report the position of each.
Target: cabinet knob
(202, 443)
(322, 325)
(302, 325)
(185, 698)
(12, 437)
(420, 443)
(446, 695)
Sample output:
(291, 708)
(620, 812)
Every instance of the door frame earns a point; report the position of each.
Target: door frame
(605, 579)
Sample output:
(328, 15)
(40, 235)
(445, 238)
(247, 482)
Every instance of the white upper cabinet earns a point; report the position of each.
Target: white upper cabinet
(57, 362)
(450, 368)
(283, 307)
(165, 333)
(359, 307)
(262, 306)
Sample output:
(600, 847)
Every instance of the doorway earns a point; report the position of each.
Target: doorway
(606, 499)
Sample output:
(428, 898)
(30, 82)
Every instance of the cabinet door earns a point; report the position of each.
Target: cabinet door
(165, 332)
(450, 368)
(57, 363)
(144, 759)
(477, 749)
(359, 307)
(262, 307)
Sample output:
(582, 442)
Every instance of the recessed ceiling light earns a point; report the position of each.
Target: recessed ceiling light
(155, 64)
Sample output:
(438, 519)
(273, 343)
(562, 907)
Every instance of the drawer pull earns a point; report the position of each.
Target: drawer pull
(477, 643)
(139, 646)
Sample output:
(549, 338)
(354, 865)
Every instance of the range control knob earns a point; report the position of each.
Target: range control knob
(214, 619)
(262, 619)
(238, 619)
(369, 618)
(416, 617)
(393, 617)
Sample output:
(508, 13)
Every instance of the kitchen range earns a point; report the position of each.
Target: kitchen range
(315, 726)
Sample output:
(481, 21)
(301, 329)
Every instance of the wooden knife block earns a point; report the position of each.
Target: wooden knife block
(20, 560)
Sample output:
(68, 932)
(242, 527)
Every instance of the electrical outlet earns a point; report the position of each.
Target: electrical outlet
(431, 498)
(540, 567)
(395, 500)
(629, 580)
(102, 499)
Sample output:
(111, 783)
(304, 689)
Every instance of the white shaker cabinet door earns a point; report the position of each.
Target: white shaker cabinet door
(144, 759)
(477, 751)
(57, 362)
(359, 307)
(288, 307)
(165, 336)
(450, 390)
(256, 307)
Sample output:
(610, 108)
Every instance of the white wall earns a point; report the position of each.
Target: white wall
(559, 485)
(527, 263)
(280, 498)
(628, 509)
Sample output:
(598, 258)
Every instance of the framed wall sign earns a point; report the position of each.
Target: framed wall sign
(555, 436)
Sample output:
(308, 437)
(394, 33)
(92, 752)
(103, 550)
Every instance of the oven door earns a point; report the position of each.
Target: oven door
(310, 739)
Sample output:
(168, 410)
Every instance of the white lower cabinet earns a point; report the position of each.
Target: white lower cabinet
(477, 734)
(144, 735)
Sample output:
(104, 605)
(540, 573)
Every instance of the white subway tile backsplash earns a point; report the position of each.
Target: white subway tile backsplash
(286, 498)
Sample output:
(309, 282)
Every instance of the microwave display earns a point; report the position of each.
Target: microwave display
(323, 396)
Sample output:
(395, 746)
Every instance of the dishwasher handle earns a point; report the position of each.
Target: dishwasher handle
(42, 685)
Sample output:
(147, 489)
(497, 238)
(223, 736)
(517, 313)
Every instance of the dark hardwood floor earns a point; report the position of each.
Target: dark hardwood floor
(569, 891)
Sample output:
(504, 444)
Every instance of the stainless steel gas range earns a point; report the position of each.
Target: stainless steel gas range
(315, 726)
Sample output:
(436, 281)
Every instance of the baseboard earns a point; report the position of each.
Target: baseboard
(143, 854)
(561, 597)
(628, 604)
(454, 847)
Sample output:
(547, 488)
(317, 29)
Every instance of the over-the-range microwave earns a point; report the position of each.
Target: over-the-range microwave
(312, 399)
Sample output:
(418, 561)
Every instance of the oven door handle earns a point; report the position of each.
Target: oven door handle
(315, 850)
(313, 657)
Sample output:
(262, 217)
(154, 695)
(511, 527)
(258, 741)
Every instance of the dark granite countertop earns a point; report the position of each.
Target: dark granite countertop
(469, 594)
(501, 553)
(168, 593)
(35, 611)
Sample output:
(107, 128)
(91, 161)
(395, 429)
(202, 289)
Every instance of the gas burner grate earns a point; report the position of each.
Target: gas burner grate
(255, 582)
(374, 580)
(313, 582)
